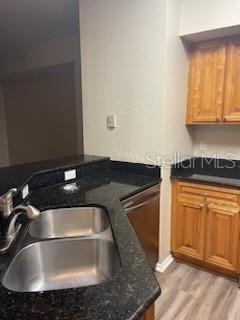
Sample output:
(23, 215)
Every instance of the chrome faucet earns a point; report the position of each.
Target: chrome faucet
(8, 218)
(6, 203)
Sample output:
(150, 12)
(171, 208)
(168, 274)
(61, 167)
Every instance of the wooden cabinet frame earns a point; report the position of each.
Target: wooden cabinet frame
(213, 83)
(190, 221)
(222, 235)
(211, 239)
(206, 82)
(231, 108)
(149, 314)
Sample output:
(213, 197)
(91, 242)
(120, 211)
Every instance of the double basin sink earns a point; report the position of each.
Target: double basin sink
(66, 248)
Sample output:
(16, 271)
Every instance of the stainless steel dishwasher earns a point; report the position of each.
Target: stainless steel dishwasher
(143, 212)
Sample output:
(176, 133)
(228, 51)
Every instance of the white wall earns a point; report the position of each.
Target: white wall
(205, 15)
(4, 156)
(134, 65)
(176, 137)
(177, 141)
(221, 141)
(122, 47)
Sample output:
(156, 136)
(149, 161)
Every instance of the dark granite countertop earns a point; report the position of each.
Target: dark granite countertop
(208, 170)
(131, 290)
(230, 182)
(16, 176)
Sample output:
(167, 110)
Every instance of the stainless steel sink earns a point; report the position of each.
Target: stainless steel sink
(69, 222)
(61, 264)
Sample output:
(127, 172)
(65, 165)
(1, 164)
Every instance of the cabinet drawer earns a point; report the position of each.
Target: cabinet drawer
(224, 194)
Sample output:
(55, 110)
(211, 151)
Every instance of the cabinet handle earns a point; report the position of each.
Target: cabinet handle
(130, 207)
(210, 205)
(204, 204)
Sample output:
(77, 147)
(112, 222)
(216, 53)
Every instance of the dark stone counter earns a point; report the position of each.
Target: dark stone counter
(213, 171)
(131, 290)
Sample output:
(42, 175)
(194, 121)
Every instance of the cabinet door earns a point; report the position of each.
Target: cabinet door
(232, 83)
(188, 226)
(206, 82)
(222, 235)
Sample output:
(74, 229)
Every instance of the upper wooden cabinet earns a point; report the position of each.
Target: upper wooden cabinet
(214, 80)
(206, 82)
(231, 111)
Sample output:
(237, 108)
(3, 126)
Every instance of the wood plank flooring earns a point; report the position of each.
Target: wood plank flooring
(189, 293)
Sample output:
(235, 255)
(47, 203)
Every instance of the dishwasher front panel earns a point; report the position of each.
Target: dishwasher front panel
(143, 213)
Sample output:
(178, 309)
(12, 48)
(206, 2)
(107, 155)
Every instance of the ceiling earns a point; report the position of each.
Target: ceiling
(26, 22)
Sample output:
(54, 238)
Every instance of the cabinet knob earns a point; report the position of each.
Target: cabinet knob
(210, 205)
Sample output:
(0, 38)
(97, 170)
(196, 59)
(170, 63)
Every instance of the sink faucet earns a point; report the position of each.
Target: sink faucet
(8, 218)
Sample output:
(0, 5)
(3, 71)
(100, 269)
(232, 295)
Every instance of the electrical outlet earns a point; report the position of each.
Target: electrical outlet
(70, 175)
(111, 121)
(203, 145)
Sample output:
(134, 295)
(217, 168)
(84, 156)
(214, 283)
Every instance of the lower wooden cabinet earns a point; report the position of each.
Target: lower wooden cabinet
(149, 314)
(188, 226)
(205, 225)
(222, 235)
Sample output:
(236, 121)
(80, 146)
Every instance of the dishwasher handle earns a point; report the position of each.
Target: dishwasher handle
(130, 206)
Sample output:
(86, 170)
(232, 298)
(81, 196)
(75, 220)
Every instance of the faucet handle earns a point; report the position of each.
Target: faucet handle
(6, 202)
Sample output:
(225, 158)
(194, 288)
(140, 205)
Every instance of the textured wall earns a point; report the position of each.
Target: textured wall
(122, 47)
(205, 15)
(41, 115)
(221, 141)
(46, 54)
(177, 141)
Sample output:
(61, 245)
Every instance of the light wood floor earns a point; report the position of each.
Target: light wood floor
(189, 293)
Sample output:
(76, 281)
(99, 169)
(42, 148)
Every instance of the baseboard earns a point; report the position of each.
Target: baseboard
(161, 267)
